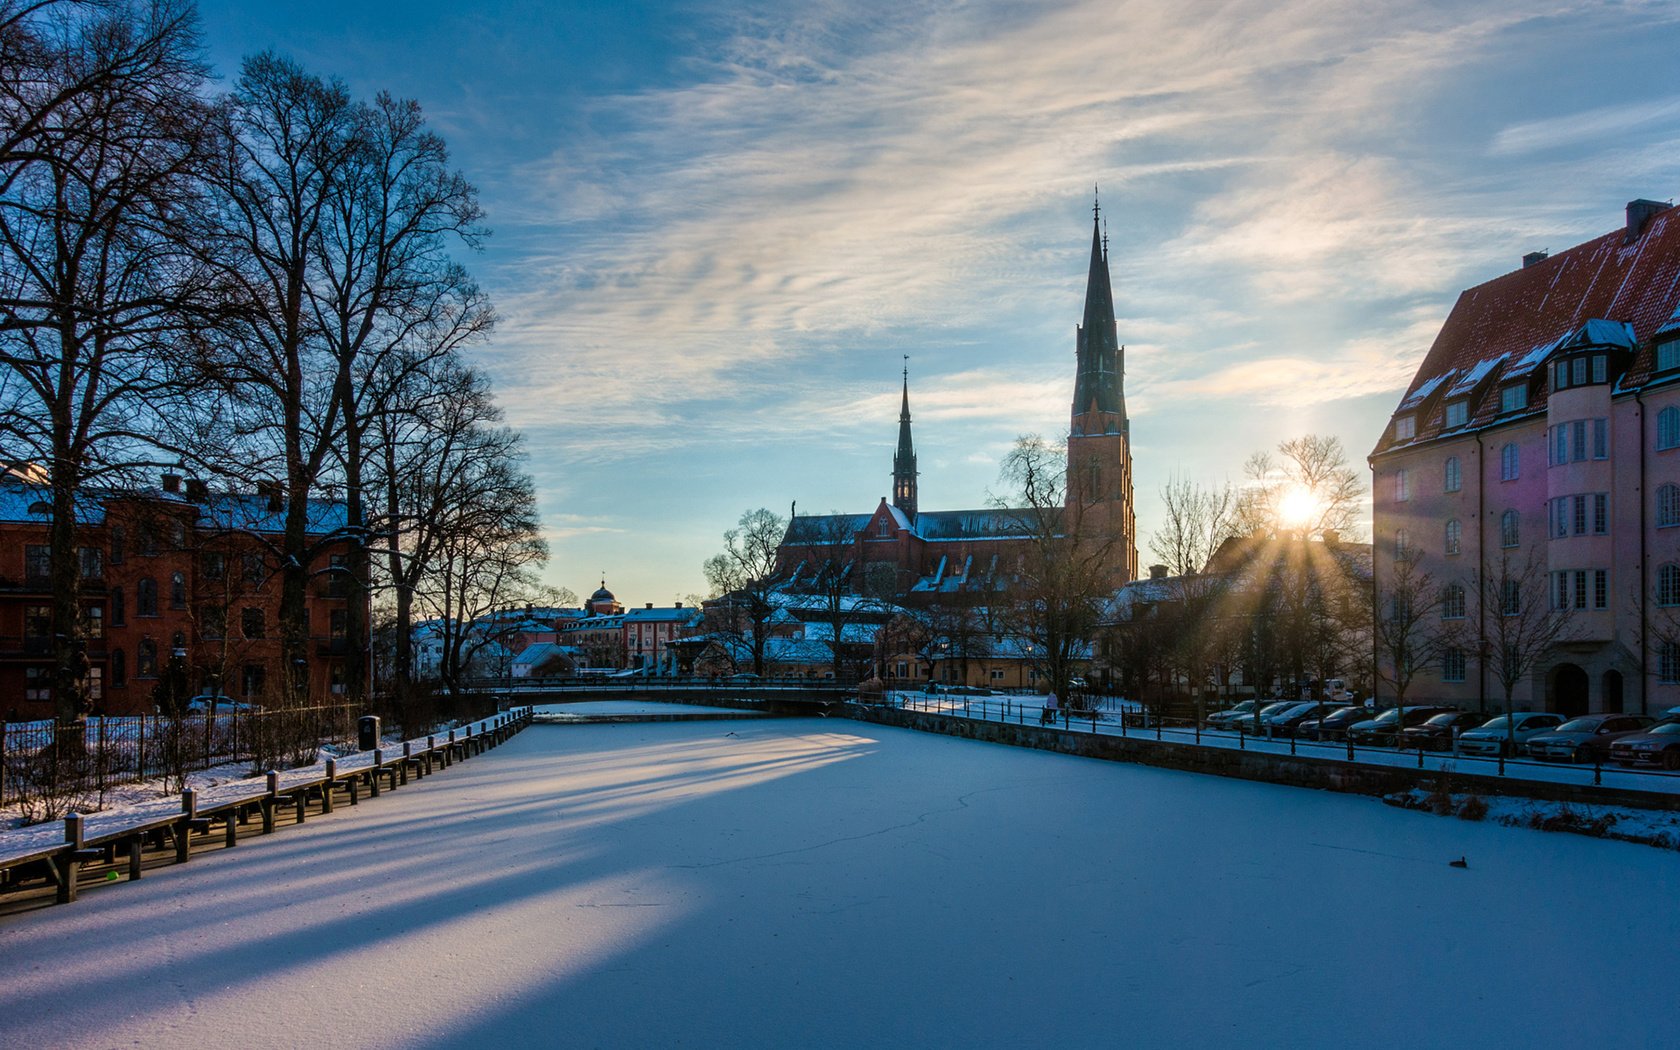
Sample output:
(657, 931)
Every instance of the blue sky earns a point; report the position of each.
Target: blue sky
(718, 226)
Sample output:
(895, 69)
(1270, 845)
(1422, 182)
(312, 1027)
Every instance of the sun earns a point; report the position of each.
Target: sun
(1298, 507)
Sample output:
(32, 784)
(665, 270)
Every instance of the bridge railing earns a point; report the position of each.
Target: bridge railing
(654, 683)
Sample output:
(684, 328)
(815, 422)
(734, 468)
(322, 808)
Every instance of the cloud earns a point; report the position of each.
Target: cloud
(1591, 126)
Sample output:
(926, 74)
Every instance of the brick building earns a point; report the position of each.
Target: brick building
(1545, 422)
(175, 570)
(902, 549)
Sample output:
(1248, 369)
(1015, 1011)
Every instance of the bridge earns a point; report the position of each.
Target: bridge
(790, 696)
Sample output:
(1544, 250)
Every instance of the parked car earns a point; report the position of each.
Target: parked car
(1284, 723)
(1436, 733)
(1334, 726)
(1220, 719)
(209, 703)
(1246, 723)
(1656, 746)
(1384, 730)
(1495, 736)
(1585, 739)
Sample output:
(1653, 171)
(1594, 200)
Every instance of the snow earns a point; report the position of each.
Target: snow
(632, 707)
(823, 883)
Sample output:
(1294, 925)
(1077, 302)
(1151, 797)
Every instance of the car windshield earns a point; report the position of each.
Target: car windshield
(1388, 718)
(1443, 720)
(1666, 729)
(1579, 725)
(1498, 723)
(1274, 708)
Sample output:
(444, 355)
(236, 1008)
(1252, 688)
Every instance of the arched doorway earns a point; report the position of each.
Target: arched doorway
(1569, 690)
(1613, 692)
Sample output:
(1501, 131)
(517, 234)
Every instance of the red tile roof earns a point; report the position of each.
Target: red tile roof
(1609, 277)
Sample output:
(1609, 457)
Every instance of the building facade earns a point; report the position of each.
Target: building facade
(1542, 433)
(177, 572)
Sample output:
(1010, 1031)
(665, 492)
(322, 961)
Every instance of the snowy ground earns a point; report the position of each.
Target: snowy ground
(821, 883)
(634, 707)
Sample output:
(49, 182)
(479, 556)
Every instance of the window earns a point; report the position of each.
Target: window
(1405, 428)
(1601, 438)
(119, 668)
(338, 625)
(37, 628)
(1579, 503)
(1560, 375)
(1578, 440)
(119, 538)
(1402, 487)
(1510, 597)
(93, 621)
(1668, 584)
(1510, 462)
(1578, 372)
(1668, 506)
(997, 674)
(145, 539)
(1454, 476)
(178, 590)
(1401, 542)
(37, 564)
(1560, 518)
(1560, 445)
(215, 565)
(338, 579)
(1601, 513)
(1580, 590)
(251, 622)
(251, 680)
(251, 566)
(177, 534)
(1560, 590)
(1600, 365)
(335, 677)
(37, 683)
(1601, 589)
(1452, 602)
(119, 608)
(96, 684)
(1668, 355)
(90, 562)
(1452, 665)
(1668, 427)
(212, 622)
(1452, 537)
(1668, 663)
(145, 659)
(1458, 413)
(145, 597)
(1513, 398)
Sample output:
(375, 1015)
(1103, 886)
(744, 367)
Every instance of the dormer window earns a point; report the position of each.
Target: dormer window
(1668, 355)
(1513, 398)
(1458, 413)
(1405, 428)
(1580, 371)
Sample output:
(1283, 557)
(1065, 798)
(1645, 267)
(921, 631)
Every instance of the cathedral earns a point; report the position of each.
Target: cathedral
(902, 549)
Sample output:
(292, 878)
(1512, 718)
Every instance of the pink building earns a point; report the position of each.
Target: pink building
(1545, 422)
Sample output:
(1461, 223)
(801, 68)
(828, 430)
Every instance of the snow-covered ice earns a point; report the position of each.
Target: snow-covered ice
(824, 883)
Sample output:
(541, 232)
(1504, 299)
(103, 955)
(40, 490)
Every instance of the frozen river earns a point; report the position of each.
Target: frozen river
(823, 883)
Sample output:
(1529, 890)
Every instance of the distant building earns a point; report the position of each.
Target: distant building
(1545, 419)
(902, 549)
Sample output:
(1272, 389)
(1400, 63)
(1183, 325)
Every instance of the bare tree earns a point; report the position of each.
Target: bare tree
(846, 592)
(1407, 625)
(1523, 624)
(389, 301)
(1067, 572)
(1195, 522)
(1308, 489)
(743, 575)
(102, 156)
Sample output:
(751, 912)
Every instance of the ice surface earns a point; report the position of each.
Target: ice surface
(824, 883)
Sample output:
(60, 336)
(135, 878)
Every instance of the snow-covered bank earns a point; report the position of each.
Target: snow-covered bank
(817, 883)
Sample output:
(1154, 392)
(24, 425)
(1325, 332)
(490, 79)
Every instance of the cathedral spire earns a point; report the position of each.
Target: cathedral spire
(904, 460)
(1099, 390)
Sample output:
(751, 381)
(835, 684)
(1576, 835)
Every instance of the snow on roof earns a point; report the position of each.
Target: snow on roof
(1468, 382)
(1424, 389)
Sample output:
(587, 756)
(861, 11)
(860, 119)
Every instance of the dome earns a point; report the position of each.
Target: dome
(603, 595)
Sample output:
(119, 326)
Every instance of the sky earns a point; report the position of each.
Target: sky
(719, 227)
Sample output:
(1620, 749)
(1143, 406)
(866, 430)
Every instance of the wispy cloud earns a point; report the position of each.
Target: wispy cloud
(1590, 127)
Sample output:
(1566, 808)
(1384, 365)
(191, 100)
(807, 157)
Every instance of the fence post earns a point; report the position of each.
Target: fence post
(1598, 770)
(183, 827)
(268, 800)
(1242, 738)
(403, 769)
(71, 864)
(327, 788)
(1349, 739)
(100, 759)
(378, 761)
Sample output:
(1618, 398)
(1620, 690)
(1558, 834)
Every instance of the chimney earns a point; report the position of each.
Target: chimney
(650, 605)
(270, 491)
(171, 483)
(1157, 572)
(1639, 213)
(1332, 537)
(1534, 257)
(197, 491)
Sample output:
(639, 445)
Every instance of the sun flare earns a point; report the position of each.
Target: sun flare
(1298, 507)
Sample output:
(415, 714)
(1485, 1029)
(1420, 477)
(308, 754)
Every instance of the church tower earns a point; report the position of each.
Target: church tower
(904, 460)
(1099, 440)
